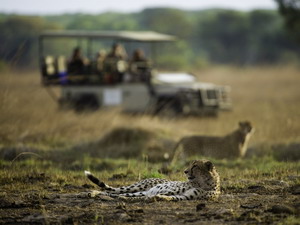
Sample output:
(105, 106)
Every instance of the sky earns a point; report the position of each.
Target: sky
(100, 6)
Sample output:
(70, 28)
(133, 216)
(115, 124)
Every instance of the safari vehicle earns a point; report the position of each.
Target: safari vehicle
(134, 86)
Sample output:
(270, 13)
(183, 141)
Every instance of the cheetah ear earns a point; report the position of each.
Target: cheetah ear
(209, 166)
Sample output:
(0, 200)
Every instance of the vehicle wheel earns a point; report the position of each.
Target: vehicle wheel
(86, 102)
(168, 107)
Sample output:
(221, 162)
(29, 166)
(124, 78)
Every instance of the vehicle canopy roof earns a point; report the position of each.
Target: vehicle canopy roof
(140, 36)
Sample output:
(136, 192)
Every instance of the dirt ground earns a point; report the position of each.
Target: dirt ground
(268, 202)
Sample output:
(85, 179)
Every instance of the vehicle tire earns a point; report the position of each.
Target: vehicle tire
(86, 102)
(168, 107)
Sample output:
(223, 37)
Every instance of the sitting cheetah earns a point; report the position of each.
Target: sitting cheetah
(232, 145)
(203, 183)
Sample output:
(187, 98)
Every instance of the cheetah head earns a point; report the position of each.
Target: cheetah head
(245, 127)
(202, 172)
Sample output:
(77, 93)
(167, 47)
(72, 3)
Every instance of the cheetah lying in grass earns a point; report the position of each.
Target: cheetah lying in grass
(203, 183)
(229, 146)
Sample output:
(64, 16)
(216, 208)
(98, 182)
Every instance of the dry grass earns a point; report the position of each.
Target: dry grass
(269, 97)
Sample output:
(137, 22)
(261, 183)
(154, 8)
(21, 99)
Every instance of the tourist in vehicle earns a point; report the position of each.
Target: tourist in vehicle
(77, 63)
(115, 64)
(139, 66)
(100, 57)
(117, 52)
(138, 56)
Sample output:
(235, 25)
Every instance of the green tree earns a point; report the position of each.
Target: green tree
(174, 22)
(166, 20)
(18, 39)
(227, 36)
(290, 10)
(265, 32)
(224, 36)
(105, 21)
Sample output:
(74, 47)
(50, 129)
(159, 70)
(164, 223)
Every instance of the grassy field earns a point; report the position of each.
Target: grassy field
(268, 97)
(63, 144)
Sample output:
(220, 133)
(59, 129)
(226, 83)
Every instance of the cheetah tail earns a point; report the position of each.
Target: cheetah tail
(94, 179)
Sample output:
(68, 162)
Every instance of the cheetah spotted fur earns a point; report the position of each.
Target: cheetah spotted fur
(203, 183)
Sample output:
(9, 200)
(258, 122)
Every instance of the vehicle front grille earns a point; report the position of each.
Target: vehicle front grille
(211, 94)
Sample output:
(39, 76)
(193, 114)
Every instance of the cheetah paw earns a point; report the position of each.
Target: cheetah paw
(162, 198)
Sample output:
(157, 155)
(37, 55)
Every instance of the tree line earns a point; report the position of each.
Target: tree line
(215, 36)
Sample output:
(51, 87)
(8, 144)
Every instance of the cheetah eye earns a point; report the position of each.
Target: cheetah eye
(186, 171)
(194, 166)
(209, 165)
